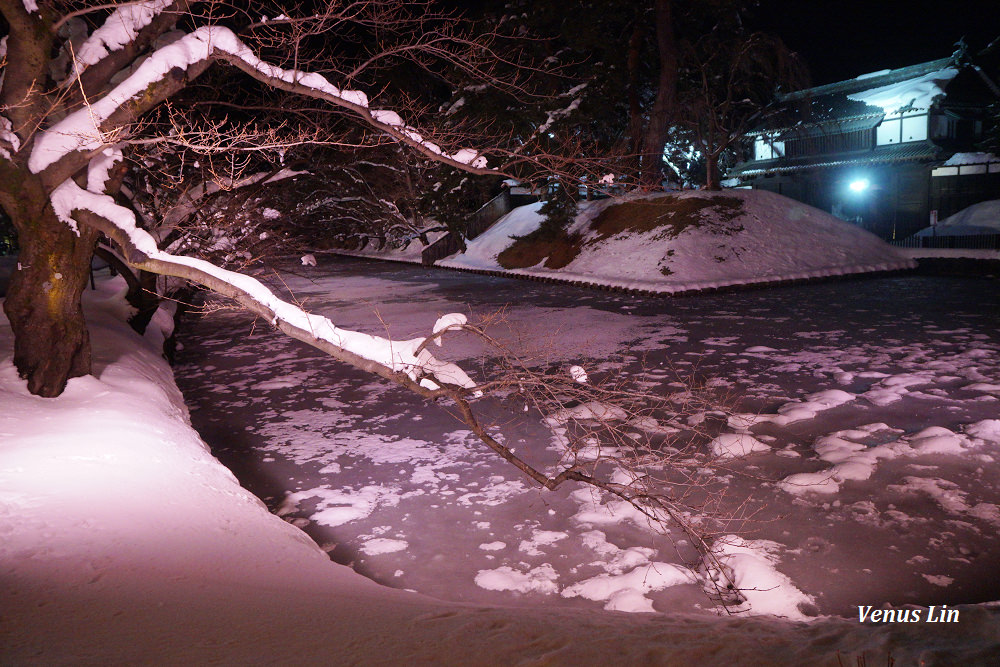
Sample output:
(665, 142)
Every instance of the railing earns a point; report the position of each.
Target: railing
(479, 222)
(487, 214)
(968, 242)
(448, 244)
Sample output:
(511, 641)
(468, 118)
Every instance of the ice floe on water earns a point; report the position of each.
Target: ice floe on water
(626, 591)
(334, 507)
(541, 538)
(541, 579)
(752, 566)
(383, 545)
(735, 445)
(854, 456)
(950, 497)
(795, 411)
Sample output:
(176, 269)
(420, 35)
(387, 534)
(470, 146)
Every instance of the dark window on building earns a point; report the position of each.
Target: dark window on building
(825, 144)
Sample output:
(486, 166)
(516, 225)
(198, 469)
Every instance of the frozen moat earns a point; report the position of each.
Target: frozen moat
(404, 493)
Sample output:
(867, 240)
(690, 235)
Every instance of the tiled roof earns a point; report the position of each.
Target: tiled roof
(908, 152)
(852, 86)
(839, 125)
(822, 107)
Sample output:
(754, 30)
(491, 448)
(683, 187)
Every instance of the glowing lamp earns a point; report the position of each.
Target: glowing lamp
(860, 185)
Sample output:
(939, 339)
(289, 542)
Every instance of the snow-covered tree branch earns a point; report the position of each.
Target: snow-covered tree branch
(73, 126)
(114, 67)
(407, 362)
(168, 69)
(410, 364)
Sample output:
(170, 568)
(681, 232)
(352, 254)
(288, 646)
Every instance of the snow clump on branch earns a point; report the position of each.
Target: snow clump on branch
(120, 29)
(82, 129)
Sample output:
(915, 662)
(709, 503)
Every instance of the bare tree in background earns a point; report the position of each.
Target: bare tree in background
(729, 84)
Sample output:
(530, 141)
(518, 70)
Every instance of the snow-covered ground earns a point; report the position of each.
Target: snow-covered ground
(124, 541)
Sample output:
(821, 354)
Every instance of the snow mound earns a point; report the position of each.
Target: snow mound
(981, 218)
(688, 240)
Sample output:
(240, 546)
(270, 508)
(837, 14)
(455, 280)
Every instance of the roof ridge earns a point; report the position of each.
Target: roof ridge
(868, 82)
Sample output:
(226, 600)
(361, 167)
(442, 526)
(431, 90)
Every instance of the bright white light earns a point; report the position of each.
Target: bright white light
(859, 185)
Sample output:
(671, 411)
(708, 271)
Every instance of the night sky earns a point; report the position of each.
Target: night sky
(840, 39)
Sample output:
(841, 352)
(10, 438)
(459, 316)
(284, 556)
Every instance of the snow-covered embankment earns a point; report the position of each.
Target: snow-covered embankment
(125, 541)
(686, 241)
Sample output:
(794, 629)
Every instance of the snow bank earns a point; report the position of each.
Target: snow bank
(124, 541)
(981, 218)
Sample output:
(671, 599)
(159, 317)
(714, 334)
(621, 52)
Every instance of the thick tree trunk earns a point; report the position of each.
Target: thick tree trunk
(51, 341)
(662, 112)
(713, 179)
(636, 123)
